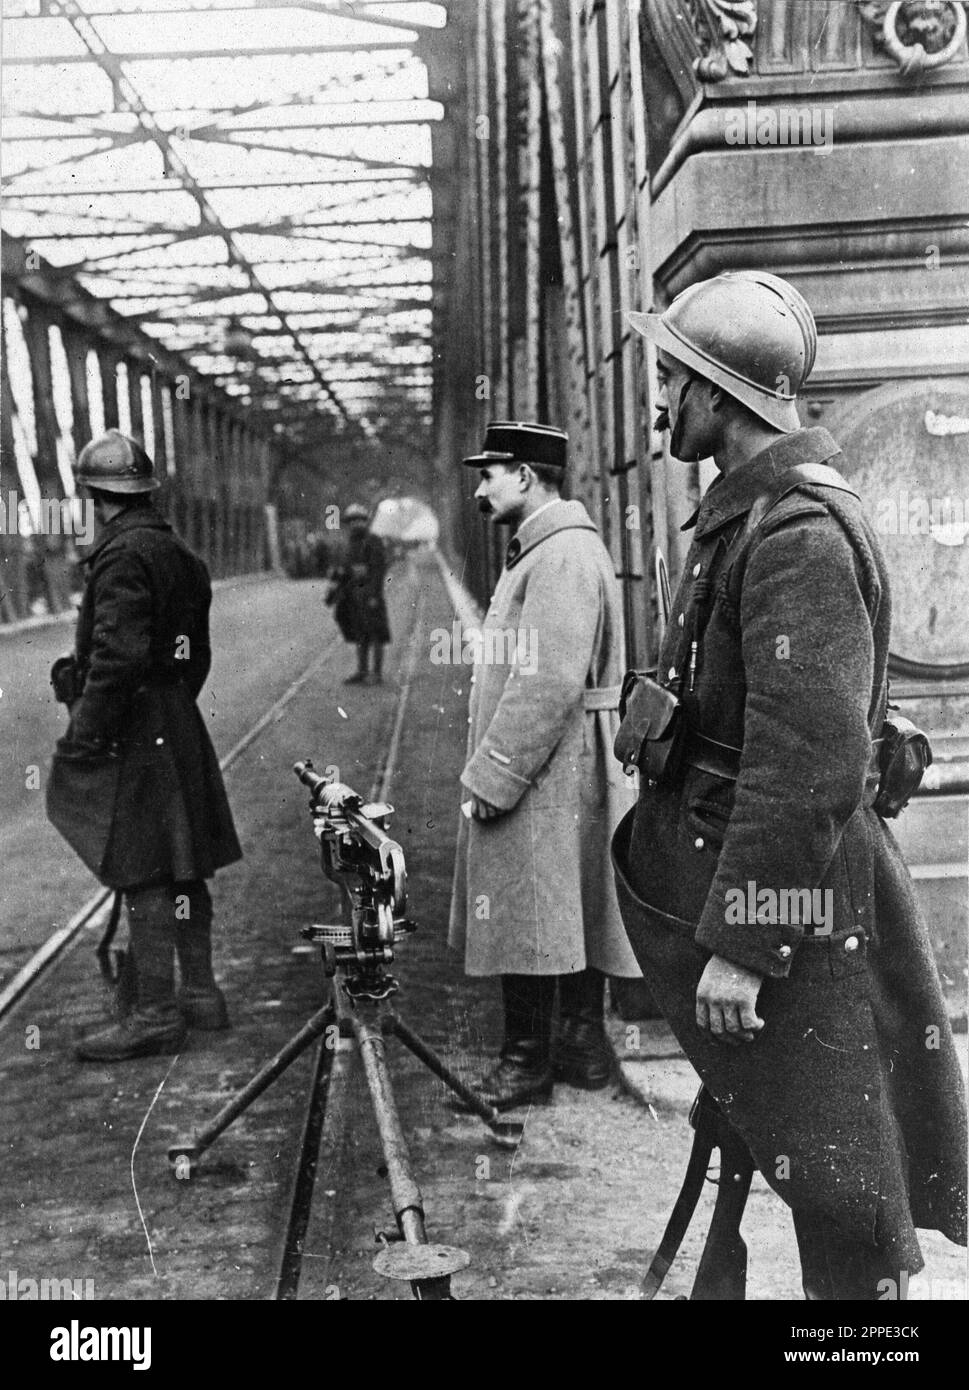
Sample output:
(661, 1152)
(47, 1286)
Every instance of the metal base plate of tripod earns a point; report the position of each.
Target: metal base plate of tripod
(415, 1262)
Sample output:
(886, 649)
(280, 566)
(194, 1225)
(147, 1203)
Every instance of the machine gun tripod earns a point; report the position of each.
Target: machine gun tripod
(359, 855)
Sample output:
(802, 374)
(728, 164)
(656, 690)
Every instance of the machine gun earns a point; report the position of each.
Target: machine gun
(361, 858)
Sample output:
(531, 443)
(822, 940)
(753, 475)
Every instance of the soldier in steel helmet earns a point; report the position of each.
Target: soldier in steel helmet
(358, 595)
(135, 787)
(764, 896)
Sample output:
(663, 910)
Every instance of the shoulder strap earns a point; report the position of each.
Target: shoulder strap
(810, 474)
(802, 474)
(813, 474)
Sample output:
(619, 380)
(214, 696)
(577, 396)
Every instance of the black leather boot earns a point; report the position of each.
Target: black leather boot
(583, 1053)
(523, 1074)
(154, 1025)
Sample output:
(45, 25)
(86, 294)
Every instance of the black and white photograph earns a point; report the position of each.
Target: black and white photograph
(484, 667)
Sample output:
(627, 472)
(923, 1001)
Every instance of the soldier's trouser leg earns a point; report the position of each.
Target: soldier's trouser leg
(583, 1054)
(378, 662)
(524, 1070)
(155, 1024)
(151, 924)
(363, 658)
(201, 1001)
(836, 1266)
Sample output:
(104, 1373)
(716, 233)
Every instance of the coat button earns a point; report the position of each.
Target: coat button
(852, 943)
(679, 621)
(698, 842)
(783, 952)
(696, 571)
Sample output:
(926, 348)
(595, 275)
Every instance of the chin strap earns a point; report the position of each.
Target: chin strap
(676, 437)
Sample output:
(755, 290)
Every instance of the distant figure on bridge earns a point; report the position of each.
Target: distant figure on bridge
(360, 608)
(533, 895)
(135, 787)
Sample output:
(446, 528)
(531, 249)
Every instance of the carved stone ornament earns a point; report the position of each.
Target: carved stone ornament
(721, 27)
(918, 34)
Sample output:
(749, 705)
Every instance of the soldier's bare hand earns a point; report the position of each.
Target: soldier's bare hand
(483, 810)
(726, 1001)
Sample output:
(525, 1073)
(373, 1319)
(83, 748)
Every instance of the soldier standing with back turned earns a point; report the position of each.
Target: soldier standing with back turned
(821, 1034)
(135, 787)
(358, 594)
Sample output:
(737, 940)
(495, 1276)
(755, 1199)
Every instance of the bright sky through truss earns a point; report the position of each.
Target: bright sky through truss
(314, 166)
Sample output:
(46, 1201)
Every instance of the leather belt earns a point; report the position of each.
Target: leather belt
(601, 697)
(707, 754)
(723, 760)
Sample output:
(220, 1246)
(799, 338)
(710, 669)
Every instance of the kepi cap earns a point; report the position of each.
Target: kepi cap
(521, 441)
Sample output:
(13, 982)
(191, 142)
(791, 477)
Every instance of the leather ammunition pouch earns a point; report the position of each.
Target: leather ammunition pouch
(903, 756)
(66, 679)
(651, 732)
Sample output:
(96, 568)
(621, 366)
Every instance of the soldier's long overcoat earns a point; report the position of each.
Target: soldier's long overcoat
(533, 894)
(852, 1089)
(135, 786)
(361, 604)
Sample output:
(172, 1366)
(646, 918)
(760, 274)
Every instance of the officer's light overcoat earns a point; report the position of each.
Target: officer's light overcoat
(854, 1078)
(135, 786)
(533, 893)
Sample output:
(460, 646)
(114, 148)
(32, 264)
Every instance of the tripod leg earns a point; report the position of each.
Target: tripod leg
(503, 1129)
(404, 1191)
(187, 1152)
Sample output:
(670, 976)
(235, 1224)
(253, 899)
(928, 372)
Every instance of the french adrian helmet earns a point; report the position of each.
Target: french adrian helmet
(115, 463)
(750, 332)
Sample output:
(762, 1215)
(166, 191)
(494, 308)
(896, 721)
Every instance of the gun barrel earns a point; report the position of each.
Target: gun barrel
(309, 777)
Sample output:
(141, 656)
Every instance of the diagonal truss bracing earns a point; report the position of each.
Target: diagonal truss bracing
(250, 180)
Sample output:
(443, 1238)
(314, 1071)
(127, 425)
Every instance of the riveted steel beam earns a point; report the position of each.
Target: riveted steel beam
(164, 187)
(174, 55)
(359, 14)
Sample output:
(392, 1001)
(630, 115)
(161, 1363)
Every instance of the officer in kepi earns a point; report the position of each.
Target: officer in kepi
(135, 787)
(358, 595)
(764, 895)
(533, 900)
